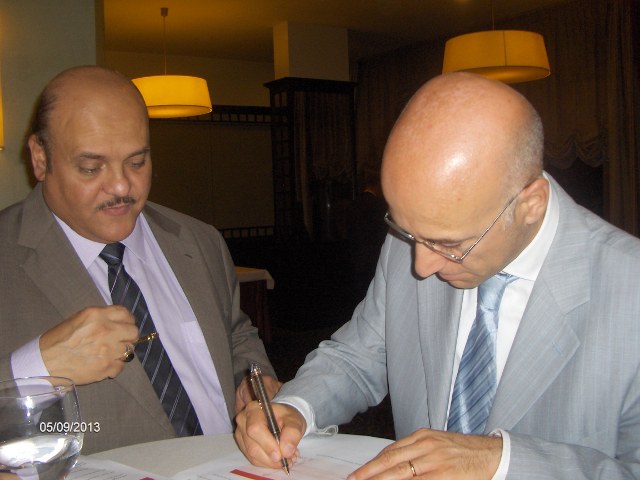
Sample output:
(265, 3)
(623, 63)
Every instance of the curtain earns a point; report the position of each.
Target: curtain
(571, 101)
(623, 115)
(323, 122)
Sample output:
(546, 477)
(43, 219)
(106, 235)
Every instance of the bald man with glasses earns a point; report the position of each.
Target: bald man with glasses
(442, 248)
(503, 319)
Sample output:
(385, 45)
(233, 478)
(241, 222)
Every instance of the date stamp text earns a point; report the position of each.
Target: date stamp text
(69, 427)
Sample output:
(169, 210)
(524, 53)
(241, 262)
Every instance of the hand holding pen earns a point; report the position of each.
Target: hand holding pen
(265, 404)
(89, 345)
(129, 353)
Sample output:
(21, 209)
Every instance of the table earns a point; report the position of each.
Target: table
(250, 274)
(168, 457)
(160, 457)
(254, 283)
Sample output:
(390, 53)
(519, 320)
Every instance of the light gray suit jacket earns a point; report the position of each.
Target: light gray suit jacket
(42, 282)
(570, 391)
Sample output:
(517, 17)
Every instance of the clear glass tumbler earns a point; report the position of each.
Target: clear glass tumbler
(40, 428)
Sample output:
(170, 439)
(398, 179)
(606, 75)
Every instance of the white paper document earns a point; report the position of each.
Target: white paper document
(321, 457)
(91, 469)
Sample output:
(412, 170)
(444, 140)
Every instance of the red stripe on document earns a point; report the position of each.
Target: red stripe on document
(253, 476)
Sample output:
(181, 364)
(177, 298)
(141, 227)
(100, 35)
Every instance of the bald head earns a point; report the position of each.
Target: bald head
(463, 139)
(465, 155)
(80, 86)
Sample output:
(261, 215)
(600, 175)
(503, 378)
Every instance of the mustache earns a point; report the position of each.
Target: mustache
(116, 201)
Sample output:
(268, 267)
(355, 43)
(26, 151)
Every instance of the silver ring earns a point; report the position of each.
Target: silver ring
(413, 470)
(128, 354)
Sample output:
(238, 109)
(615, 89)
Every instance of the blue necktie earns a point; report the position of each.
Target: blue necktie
(476, 382)
(152, 355)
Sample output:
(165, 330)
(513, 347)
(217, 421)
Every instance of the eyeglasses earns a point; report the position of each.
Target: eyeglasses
(441, 249)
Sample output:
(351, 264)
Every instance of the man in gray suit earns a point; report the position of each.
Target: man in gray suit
(91, 156)
(469, 203)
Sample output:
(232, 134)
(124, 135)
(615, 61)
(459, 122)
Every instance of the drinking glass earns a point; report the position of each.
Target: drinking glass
(40, 428)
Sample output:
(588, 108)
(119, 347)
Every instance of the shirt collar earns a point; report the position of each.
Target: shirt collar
(527, 265)
(88, 250)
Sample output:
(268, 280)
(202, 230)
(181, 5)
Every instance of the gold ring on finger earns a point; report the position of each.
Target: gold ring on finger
(413, 470)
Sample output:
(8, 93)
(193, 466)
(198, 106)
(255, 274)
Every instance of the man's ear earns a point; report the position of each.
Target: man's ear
(536, 197)
(38, 158)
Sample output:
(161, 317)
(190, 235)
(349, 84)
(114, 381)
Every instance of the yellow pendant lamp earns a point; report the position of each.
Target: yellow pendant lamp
(510, 56)
(171, 96)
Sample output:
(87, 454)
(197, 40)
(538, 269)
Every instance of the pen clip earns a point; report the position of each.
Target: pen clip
(146, 338)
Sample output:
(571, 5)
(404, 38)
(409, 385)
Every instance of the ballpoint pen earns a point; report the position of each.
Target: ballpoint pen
(261, 396)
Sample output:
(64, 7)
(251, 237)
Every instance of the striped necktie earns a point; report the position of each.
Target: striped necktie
(476, 382)
(152, 355)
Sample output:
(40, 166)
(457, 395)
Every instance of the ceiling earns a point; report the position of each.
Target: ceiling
(242, 29)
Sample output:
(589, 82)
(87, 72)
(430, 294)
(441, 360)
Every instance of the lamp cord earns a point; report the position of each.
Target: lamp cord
(493, 18)
(164, 11)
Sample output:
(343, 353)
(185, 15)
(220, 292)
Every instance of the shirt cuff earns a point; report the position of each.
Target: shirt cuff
(503, 467)
(306, 410)
(27, 361)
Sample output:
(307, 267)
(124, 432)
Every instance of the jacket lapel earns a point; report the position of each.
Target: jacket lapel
(187, 263)
(546, 341)
(542, 347)
(439, 313)
(52, 263)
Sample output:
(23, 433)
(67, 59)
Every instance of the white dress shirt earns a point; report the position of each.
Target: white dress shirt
(526, 267)
(172, 315)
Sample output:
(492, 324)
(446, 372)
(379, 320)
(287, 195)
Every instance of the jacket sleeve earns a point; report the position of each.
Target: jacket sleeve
(246, 346)
(347, 374)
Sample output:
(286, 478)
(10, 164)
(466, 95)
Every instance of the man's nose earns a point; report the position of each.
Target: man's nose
(117, 183)
(426, 261)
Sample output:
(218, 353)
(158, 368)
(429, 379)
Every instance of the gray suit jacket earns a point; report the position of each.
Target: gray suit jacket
(43, 282)
(570, 391)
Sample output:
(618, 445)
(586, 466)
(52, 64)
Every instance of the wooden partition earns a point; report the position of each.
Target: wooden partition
(216, 167)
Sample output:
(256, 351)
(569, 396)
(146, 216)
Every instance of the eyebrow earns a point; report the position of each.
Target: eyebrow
(442, 241)
(143, 150)
(97, 156)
